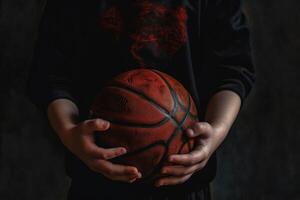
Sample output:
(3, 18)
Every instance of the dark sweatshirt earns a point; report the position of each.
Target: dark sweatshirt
(204, 44)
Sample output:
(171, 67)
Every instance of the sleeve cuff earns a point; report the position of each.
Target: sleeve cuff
(42, 101)
(234, 86)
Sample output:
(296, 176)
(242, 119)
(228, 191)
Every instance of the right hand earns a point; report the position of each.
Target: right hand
(79, 139)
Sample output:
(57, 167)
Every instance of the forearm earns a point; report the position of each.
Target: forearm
(222, 111)
(62, 115)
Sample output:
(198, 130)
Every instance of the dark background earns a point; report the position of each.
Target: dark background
(259, 159)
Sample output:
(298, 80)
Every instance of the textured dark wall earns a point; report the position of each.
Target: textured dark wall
(259, 159)
(31, 157)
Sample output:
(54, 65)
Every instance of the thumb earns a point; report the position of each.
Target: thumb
(96, 125)
(199, 129)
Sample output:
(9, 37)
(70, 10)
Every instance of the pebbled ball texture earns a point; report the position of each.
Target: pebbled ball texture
(149, 111)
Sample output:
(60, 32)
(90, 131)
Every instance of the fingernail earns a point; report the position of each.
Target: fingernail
(120, 152)
(123, 150)
(106, 124)
(139, 175)
(131, 181)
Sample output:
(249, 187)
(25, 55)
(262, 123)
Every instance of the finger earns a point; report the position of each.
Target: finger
(192, 158)
(172, 180)
(179, 170)
(124, 178)
(189, 132)
(130, 178)
(108, 169)
(118, 172)
(199, 129)
(113, 153)
(96, 125)
(94, 151)
(126, 175)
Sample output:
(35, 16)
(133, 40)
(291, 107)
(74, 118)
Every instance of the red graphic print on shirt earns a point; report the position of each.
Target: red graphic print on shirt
(152, 27)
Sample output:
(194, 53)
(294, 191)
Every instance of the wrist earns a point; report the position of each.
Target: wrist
(220, 127)
(65, 128)
(62, 115)
(65, 134)
(220, 131)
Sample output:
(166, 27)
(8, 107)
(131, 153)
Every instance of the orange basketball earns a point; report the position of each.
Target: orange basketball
(149, 111)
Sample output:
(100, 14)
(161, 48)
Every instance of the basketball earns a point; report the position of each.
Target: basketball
(149, 111)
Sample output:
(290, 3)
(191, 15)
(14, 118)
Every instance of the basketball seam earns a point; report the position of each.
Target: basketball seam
(175, 98)
(157, 143)
(169, 116)
(160, 163)
(149, 99)
(171, 89)
(179, 125)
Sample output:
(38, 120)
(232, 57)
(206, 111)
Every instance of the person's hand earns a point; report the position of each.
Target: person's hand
(207, 139)
(79, 139)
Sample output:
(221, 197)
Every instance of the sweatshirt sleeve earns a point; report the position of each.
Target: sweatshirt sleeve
(50, 77)
(227, 56)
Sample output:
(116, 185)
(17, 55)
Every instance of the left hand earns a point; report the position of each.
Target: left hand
(207, 139)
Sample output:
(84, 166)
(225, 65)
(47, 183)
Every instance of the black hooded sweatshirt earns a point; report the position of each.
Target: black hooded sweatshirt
(204, 44)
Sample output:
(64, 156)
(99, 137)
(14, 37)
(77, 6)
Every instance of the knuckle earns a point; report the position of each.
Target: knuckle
(197, 126)
(205, 153)
(192, 159)
(205, 124)
(100, 155)
(201, 127)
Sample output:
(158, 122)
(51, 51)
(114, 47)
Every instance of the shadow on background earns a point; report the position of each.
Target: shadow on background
(258, 160)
